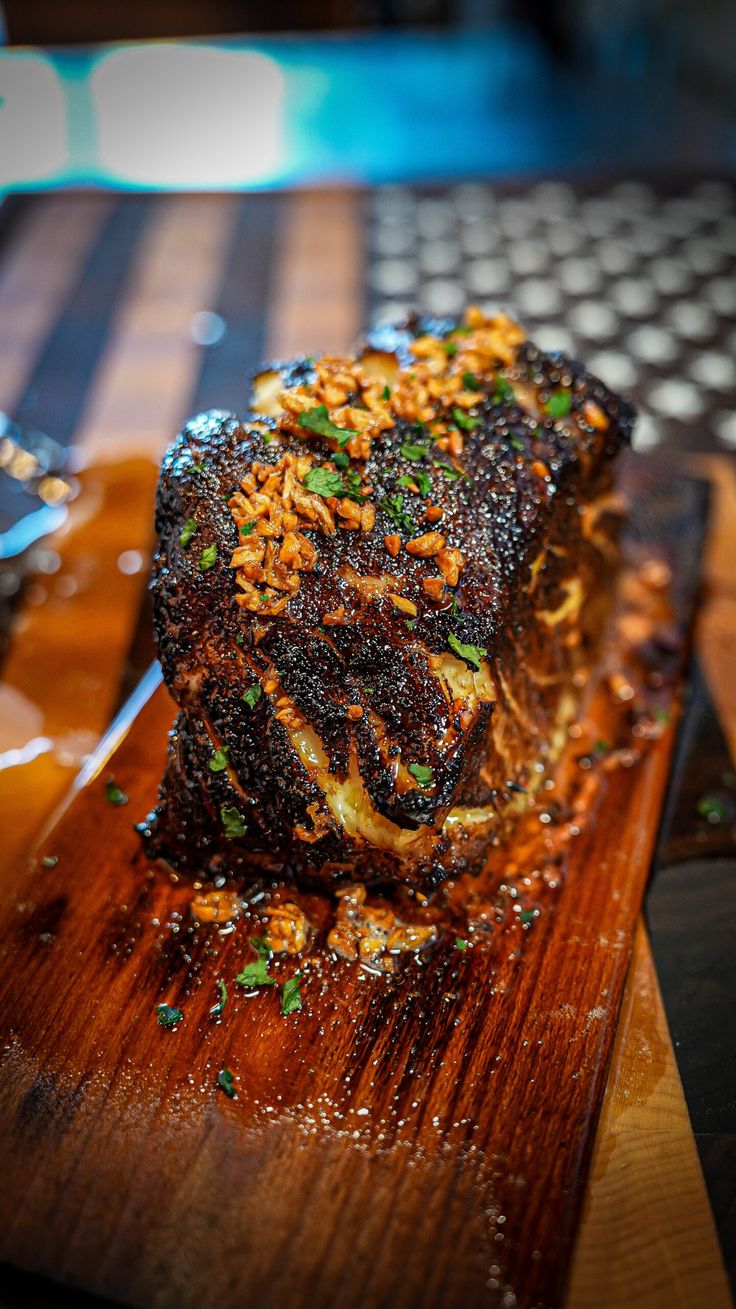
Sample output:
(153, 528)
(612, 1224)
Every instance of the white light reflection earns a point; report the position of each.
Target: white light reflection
(33, 119)
(174, 115)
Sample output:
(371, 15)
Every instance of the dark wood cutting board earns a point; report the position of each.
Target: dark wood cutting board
(416, 1139)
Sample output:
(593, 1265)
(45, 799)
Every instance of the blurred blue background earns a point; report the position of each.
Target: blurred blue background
(368, 94)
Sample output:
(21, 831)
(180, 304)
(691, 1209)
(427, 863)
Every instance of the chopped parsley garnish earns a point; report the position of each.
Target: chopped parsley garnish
(199, 468)
(559, 404)
(232, 822)
(50, 860)
(187, 532)
(472, 654)
(216, 1010)
(113, 793)
(218, 762)
(262, 946)
(450, 348)
(253, 695)
(503, 391)
(464, 421)
(207, 557)
(393, 506)
(167, 1015)
(454, 606)
(452, 474)
(602, 747)
(245, 529)
(351, 486)
(413, 451)
(291, 996)
(386, 393)
(256, 974)
(420, 480)
(516, 443)
(239, 639)
(318, 420)
(411, 624)
(527, 916)
(712, 809)
(320, 481)
(470, 382)
(340, 459)
(225, 1083)
(422, 773)
(461, 944)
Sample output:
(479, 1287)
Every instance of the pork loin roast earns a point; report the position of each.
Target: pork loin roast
(375, 599)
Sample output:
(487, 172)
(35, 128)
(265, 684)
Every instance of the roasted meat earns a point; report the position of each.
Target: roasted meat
(375, 601)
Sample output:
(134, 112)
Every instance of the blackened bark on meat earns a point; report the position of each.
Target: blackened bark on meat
(504, 516)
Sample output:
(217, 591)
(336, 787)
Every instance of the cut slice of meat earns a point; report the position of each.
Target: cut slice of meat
(375, 602)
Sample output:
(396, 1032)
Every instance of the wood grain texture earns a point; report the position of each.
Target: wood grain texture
(645, 1238)
(118, 519)
(36, 275)
(316, 299)
(423, 1138)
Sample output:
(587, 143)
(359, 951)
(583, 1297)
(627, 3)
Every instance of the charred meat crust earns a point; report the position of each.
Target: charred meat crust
(502, 513)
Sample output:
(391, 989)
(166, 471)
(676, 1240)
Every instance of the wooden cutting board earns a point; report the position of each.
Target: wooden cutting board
(424, 1138)
(646, 1236)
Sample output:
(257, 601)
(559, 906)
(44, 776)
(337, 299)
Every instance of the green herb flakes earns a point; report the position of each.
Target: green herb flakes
(255, 974)
(167, 1015)
(219, 760)
(226, 1084)
(386, 393)
(240, 639)
(320, 481)
(291, 996)
(452, 474)
(318, 420)
(50, 860)
(464, 421)
(232, 821)
(503, 391)
(262, 946)
(246, 529)
(340, 459)
(470, 382)
(450, 348)
(559, 404)
(187, 532)
(516, 443)
(472, 654)
(461, 944)
(712, 809)
(216, 1010)
(113, 793)
(422, 773)
(393, 506)
(252, 695)
(527, 916)
(419, 480)
(413, 451)
(207, 557)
